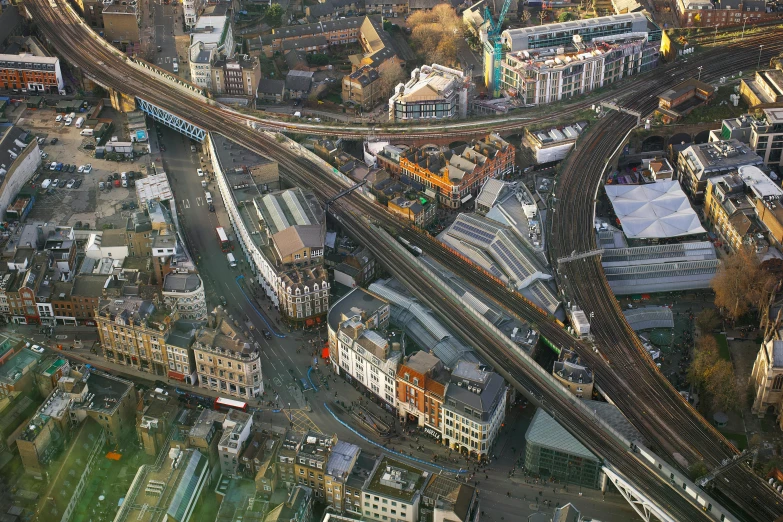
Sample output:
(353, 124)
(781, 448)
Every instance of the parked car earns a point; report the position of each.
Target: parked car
(71, 183)
(54, 141)
(117, 183)
(55, 182)
(77, 184)
(200, 172)
(88, 168)
(41, 141)
(59, 118)
(59, 167)
(102, 185)
(44, 155)
(115, 176)
(53, 166)
(66, 167)
(72, 168)
(81, 168)
(37, 349)
(222, 300)
(211, 207)
(63, 183)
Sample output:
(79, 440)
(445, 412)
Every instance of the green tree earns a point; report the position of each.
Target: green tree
(274, 15)
(705, 357)
(317, 59)
(565, 16)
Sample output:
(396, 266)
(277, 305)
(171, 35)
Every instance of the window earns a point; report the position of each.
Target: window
(777, 384)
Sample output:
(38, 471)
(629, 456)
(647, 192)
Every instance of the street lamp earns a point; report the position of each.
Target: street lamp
(699, 68)
(758, 65)
(715, 38)
(744, 21)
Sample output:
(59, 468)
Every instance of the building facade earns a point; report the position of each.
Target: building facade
(237, 76)
(393, 490)
(185, 293)
(421, 390)
(312, 455)
(456, 175)
(433, 93)
(226, 360)
(37, 74)
(474, 408)
(132, 332)
(363, 87)
(549, 75)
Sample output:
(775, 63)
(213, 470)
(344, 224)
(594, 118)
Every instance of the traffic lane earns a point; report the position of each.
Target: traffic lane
(164, 18)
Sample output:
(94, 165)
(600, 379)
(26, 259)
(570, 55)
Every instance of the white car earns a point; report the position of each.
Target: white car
(68, 122)
(70, 183)
(87, 168)
(53, 165)
(37, 349)
(55, 182)
(59, 118)
(200, 172)
(80, 169)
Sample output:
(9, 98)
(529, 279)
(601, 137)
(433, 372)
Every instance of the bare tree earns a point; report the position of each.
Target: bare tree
(435, 34)
(740, 285)
(705, 355)
(391, 75)
(542, 15)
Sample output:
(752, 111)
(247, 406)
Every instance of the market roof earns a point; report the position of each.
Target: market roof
(655, 210)
(545, 431)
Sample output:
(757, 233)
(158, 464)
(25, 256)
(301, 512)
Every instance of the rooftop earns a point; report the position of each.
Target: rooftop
(449, 493)
(174, 282)
(341, 459)
(205, 423)
(104, 391)
(354, 302)
(718, 156)
(395, 479)
(475, 388)
(17, 365)
(545, 432)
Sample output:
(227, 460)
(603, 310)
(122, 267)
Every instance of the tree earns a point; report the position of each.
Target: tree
(317, 59)
(543, 15)
(722, 386)
(740, 284)
(705, 357)
(391, 74)
(565, 16)
(274, 15)
(707, 321)
(435, 34)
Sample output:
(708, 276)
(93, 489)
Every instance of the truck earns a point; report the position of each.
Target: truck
(79, 122)
(231, 261)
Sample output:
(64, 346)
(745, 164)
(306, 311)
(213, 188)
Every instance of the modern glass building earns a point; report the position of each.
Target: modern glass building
(551, 451)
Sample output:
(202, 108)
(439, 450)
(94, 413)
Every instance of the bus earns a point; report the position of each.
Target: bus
(225, 244)
(224, 405)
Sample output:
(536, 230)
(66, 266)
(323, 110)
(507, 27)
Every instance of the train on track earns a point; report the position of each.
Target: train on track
(53, 4)
(413, 249)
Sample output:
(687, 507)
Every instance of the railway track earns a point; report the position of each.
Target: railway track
(68, 34)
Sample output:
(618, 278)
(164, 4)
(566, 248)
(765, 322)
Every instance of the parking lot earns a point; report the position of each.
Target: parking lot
(84, 202)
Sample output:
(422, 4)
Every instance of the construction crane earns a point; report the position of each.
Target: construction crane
(494, 44)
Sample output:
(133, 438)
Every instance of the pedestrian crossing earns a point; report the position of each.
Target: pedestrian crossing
(200, 202)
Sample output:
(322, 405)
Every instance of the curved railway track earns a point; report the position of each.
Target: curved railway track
(693, 438)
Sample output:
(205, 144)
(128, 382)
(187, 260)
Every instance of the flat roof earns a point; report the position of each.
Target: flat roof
(17, 365)
(389, 471)
(357, 299)
(174, 282)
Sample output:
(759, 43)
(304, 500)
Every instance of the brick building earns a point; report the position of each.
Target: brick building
(34, 73)
(456, 175)
(421, 388)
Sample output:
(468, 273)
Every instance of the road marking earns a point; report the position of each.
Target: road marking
(186, 203)
(199, 203)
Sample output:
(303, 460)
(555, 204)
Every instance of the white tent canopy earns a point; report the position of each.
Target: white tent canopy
(654, 210)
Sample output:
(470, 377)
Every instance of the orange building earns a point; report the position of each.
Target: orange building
(456, 175)
(32, 73)
(421, 387)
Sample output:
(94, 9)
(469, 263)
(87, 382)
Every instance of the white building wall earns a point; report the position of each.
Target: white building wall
(19, 173)
(380, 379)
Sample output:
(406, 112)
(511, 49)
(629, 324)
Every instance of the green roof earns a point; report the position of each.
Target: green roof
(54, 367)
(546, 432)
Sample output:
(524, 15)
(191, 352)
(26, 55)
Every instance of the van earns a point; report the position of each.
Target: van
(68, 121)
(46, 183)
(72, 115)
(86, 132)
(176, 67)
(79, 122)
(208, 197)
(231, 261)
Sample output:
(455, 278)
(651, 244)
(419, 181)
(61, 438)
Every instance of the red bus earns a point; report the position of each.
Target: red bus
(224, 405)
(225, 244)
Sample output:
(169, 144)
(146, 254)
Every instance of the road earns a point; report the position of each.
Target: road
(164, 18)
(302, 171)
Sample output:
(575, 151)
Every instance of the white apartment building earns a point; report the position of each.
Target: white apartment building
(192, 9)
(236, 430)
(433, 93)
(226, 361)
(358, 346)
(393, 491)
(474, 409)
(548, 75)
